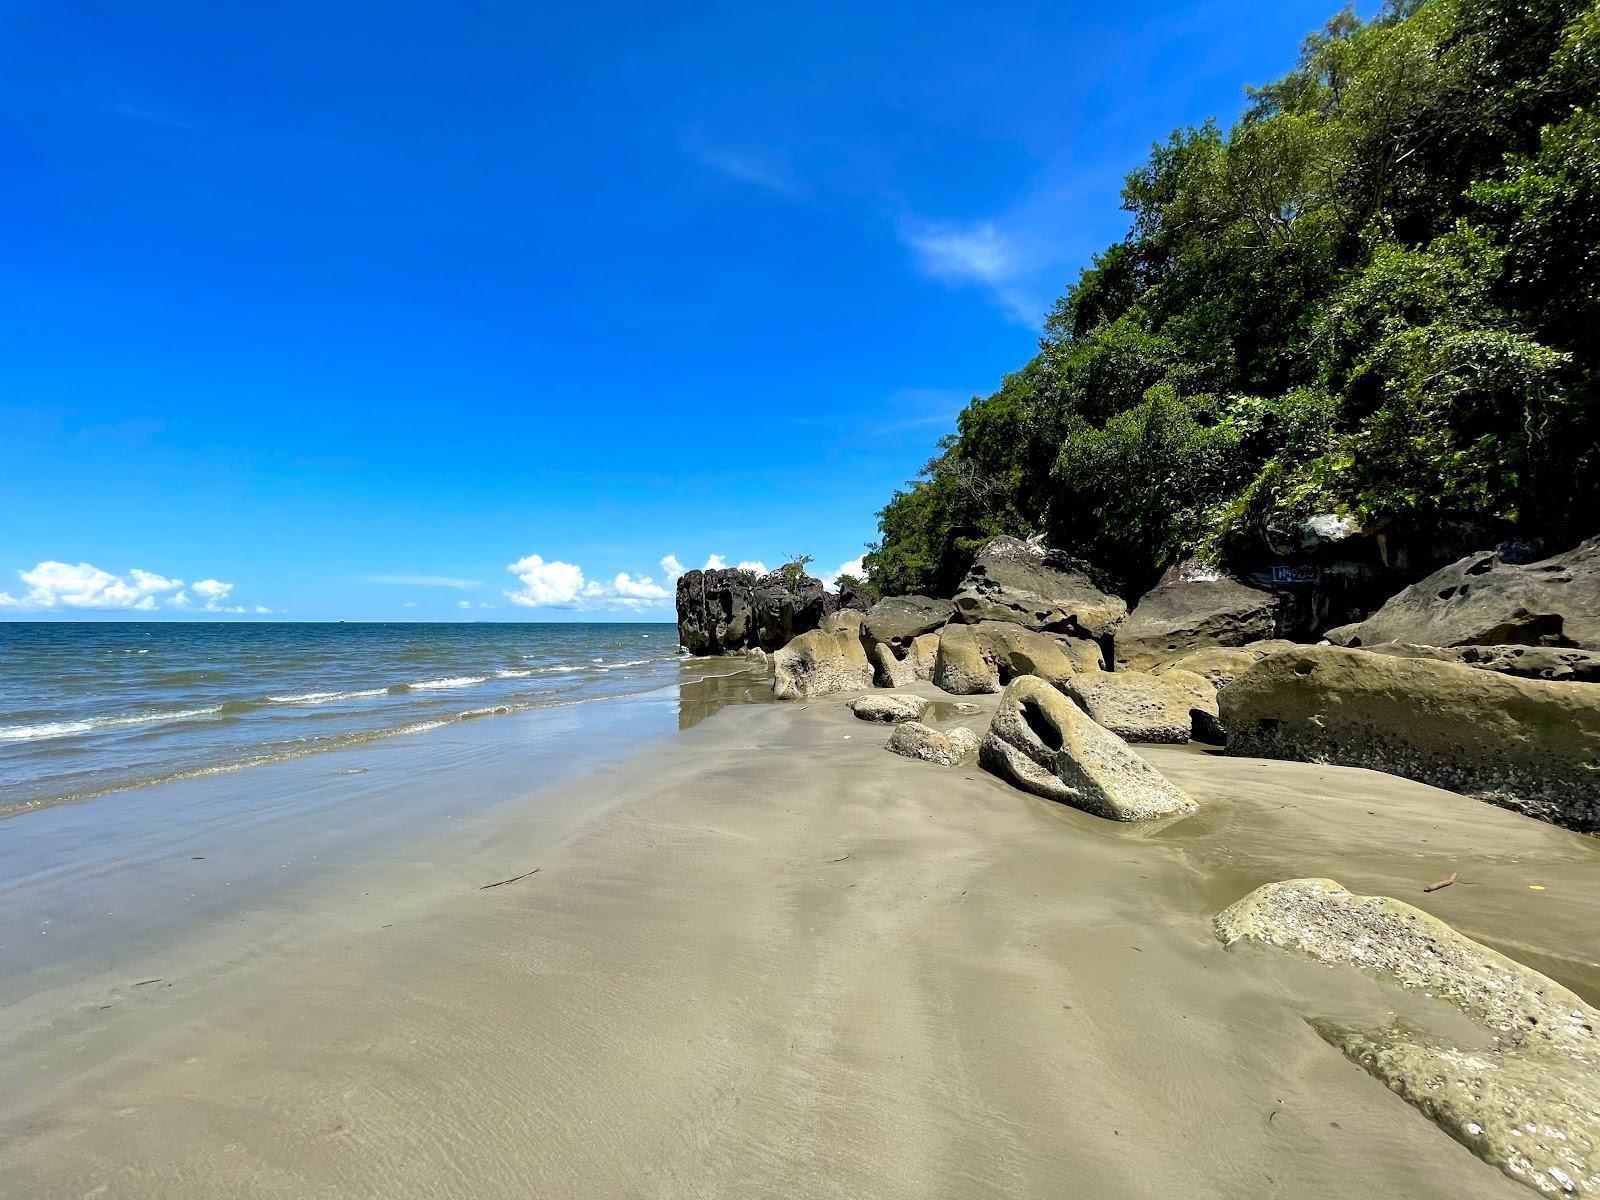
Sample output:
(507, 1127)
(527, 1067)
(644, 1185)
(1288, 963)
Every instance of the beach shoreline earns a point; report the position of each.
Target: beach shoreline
(766, 957)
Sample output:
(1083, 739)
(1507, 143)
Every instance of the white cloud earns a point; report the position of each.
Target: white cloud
(409, 604)
(552, 584)
(558, 584)
(719, 562)
(445, 581)
(262, 609)
(463, 603)
(672, 568)
(830, 579)
(638, 589)
(976, 253)
(53, 584)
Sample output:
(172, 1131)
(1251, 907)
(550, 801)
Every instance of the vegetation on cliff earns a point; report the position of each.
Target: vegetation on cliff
(1377, 294)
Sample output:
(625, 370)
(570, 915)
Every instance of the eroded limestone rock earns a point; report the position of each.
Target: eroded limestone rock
(825, 660)
(947, 748)
(1188, 611)
(890, 707)
(1526, 1100)
(1133, 705)
(1043, 743)
(1525, 744)
(1486, 600)
(1028, 584)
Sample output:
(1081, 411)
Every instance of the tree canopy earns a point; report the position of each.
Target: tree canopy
(1378, 294)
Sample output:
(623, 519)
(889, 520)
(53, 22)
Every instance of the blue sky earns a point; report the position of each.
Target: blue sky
(413, 311)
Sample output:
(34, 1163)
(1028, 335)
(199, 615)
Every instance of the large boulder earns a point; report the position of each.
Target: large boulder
(1189, 610)
(716, 611)
(897, 620)
(1205, 721)
(960, 667)
(947, 748)
(1135, 706)
(1486, 600)
(924, 655)
(982, 658)
(889, 671)
(1043, 743)
(891, 629)
(822, 661)
(1526, 744)
(1027, 584)
(1530, 662)
(786, 603)
(1222, 664)
(1083, 654)
(1523, 1094)
(890, 708)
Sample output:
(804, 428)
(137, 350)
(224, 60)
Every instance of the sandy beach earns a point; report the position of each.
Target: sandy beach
(763, 957)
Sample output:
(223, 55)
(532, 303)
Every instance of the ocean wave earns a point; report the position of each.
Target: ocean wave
(328, 697)
(454, 681)
(53, 729)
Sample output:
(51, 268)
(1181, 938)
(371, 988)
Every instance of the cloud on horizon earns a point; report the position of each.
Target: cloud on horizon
(56, 585)
(830, 579)
(557, 584)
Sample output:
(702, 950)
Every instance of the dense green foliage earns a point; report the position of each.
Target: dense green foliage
(1378, 294)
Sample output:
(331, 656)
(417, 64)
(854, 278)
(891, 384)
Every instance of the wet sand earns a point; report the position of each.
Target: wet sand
(764, 957)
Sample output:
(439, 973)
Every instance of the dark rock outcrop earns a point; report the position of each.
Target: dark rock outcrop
(716, 611)
(1028, 584)
(727, 611)
(1525, 744)
(1485, 599)
(1189, 611)
(786, 603)
(853, 595)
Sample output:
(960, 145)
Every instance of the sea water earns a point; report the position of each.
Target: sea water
(92, 708)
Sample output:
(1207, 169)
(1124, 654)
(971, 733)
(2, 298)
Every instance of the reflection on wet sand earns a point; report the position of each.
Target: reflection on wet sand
(707, 685)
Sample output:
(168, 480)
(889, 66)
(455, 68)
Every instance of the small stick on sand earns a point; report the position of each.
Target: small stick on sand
(1443, 883)
(513, 879)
